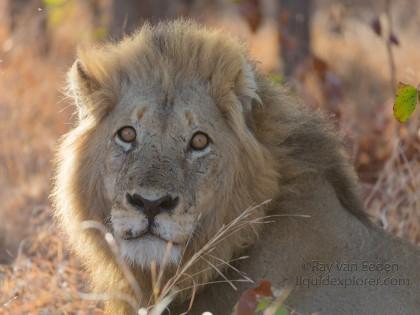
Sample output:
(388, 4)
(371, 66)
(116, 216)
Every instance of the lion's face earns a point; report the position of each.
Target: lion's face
(164, 157)
(166, 149)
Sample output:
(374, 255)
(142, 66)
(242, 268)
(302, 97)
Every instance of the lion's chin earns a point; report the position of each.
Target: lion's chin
(149, 248)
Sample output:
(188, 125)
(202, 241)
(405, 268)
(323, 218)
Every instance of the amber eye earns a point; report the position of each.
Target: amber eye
(199, 141)
(127, 134)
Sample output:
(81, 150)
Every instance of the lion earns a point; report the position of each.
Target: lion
(177, 133)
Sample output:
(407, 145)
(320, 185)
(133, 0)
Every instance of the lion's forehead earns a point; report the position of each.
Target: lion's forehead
(183, 105)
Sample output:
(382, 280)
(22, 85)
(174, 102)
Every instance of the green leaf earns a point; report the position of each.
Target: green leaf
(405, 102)
(281, 311)
(263, 303)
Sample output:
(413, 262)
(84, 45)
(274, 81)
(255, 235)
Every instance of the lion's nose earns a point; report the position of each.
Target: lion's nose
(152, 208)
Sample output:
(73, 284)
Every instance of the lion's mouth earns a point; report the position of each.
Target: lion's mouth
(148, 234)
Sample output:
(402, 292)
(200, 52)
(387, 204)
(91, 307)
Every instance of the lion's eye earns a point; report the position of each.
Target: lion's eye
(127, 134)
(199, 141)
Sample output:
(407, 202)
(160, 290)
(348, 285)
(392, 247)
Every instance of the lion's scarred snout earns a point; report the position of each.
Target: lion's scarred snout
(152, 207)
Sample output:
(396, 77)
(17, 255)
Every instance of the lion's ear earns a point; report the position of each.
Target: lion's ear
(246, 89)
(83, 87)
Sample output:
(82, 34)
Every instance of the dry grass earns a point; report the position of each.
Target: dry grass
(42, 277)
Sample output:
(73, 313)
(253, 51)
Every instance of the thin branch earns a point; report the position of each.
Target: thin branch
(391, 57)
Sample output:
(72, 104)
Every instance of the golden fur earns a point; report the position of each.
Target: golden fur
(279, 141)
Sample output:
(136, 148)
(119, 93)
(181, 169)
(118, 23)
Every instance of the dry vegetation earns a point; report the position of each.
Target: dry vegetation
(39, 275)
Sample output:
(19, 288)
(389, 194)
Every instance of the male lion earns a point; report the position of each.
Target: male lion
(177, 135)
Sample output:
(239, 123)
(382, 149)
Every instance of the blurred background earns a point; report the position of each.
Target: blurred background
(345, 57)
